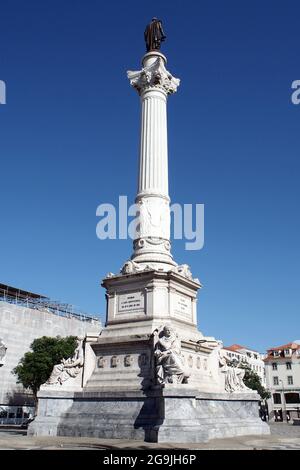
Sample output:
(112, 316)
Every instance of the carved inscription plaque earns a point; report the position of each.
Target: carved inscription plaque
(130, 302)
(183, 306)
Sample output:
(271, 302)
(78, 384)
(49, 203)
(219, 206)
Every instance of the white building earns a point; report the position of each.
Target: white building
(282, 365)
(247, 356)
(25, 316)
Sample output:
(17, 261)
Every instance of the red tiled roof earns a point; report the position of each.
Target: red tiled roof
(285, 346)
(230, 349)
(292, 346)
(237, 347)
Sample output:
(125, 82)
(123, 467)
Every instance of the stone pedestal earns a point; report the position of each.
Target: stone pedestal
(138, 305)
(166, 414)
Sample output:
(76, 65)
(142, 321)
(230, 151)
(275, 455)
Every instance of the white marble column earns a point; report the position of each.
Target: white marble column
(152, 241)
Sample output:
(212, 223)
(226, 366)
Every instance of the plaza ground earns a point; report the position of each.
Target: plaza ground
(283, 437)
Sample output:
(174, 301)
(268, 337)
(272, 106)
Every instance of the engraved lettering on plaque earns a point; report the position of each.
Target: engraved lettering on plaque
(183, 306)
(130, 302)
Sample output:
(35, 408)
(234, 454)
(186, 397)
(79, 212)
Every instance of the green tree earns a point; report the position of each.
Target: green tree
(36, 366)
(252, 380)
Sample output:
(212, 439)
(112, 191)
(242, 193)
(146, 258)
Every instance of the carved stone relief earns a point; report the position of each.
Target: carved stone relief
(128, 360)
(102, 362)
(115, 361)
(190, 361)
(143, 360)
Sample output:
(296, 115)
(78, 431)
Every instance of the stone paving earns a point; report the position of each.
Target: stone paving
(283, 437)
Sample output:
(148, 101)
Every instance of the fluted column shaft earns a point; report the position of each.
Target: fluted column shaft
(152, 241)
(153, 169)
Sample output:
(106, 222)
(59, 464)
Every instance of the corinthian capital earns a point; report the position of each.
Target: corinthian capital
(153, 76)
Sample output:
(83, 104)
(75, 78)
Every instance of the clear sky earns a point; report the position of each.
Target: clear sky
(69, 142)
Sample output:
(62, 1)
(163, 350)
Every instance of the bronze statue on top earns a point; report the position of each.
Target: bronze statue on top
(154, 35)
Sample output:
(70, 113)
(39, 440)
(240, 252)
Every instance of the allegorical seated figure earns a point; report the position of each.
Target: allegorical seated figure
(169, 362)
(233, 375)
(68, 367)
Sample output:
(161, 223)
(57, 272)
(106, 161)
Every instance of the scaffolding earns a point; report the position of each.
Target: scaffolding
(28, 299)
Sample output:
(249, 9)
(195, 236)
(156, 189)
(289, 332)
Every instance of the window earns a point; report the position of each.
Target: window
(275, 381)
(289, 365)
(276, 398)
(290, 380)
(274, 366)
(292, 398)
(287, 352)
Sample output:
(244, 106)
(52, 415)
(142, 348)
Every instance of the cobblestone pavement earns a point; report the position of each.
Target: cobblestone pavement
(284, 429)
(283, 437)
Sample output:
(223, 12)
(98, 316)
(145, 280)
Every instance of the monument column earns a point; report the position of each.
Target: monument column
(152, 375)
(152, 240)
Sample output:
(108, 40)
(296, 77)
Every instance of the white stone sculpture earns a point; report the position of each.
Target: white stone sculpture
(154, 218)
(3, 350)
(169, 361)
(131, 267)
(233, 376)
(154, 75)
(184, 270)
(68, 368)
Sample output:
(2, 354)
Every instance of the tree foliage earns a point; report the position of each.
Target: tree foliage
(36, 366)
(252, 380)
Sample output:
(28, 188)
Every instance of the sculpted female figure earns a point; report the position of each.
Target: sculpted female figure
(68, 367)
(169, 362)
(233, 375)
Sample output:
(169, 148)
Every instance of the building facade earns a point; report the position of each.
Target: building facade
(282, 365)
(25, 316)
(248, 356)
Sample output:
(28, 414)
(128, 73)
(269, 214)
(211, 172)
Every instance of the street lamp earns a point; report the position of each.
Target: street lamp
(283, 404)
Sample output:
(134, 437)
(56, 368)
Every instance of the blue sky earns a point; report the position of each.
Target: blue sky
(69, 142)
